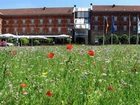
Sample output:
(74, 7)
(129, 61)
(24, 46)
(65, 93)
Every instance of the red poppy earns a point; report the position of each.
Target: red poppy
(110, 88)
(49, 93)
(69, 46)
(13, 52)
(91, 53)
(23, 85)
(50, 55)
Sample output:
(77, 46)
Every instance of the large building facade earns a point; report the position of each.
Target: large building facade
(83, 24)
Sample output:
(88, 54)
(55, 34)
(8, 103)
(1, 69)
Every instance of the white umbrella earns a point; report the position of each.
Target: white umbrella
(7, 35)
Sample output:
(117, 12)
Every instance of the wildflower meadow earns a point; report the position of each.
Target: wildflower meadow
(70, 75)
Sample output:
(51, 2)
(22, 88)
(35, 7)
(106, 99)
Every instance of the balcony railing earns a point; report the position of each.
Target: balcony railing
(82, 26)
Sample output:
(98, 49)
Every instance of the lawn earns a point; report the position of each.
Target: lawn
(77, 75)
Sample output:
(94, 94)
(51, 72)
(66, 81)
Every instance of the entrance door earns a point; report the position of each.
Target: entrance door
(80, 40)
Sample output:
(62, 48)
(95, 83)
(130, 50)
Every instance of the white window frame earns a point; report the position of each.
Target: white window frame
(32, 21)
(7, 30)
(95, 27)
(59, 29)
(125, 28)
(15, 29)
(68, 21)
(125, 18)
(15, 21)
(23, 29)
(59, 21)
(32, 29)
(134, 28)
(23, 21)
(115, 27)
(40, 29)
(134, 18)
(96, 18)
(41, 21)
(7, 21)
(115, 18)
(50, 29)
(50, 21)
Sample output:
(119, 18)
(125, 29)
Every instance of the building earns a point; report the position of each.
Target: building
(40, 21)
(125, 19)
(83, 24)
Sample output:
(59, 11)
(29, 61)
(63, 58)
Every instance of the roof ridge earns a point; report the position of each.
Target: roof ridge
(35, 8)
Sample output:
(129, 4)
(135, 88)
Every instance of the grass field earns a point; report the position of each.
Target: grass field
(29, 76)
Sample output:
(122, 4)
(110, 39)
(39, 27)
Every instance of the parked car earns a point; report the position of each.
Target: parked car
(9, 44)
(4, 43)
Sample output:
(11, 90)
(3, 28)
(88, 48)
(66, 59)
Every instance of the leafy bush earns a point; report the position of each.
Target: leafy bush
(10, 40)
(36, 42)
(133, 39)
(100, 39)
(107, 39)
(68, 40)
(123, 39)
(24, 41)
(49, 40)
(115, 39)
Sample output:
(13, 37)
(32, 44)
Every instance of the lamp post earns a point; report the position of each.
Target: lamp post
(17, 41)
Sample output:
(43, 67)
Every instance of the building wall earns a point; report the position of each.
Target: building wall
(120, 23)
(25, 24)
(0, 25)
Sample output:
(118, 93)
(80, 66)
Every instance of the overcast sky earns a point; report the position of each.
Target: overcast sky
(62, 3)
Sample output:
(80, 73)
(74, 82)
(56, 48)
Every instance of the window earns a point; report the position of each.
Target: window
(15, 21)
(59, 21)
(96, 19)
(85, 20)
(68, 21)
(50, 21)
(23, 29)
(86, 14)
(15, 29)
(125, 18)
(32, 29)
(41, 29)
(134, 19)
(32, 21)
(134, 28)
(68, 29)
(23, 21)
(105, 17)
(7, 30)
(41, 21)
(115, 27)
(50, 29)
(7, 22)
(79, 14)
(115, 18)
(82, 14)
(96, 28)
(125, 28)
(59, 29)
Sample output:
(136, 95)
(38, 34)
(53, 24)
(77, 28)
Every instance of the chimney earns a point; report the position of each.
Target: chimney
(44, 8)
(91, 6)
(113, 5)
(74, 8)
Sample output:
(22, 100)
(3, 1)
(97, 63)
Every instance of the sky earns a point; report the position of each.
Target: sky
(7, 4)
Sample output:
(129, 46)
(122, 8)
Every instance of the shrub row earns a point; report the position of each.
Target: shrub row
(48, 41)
(118, 39)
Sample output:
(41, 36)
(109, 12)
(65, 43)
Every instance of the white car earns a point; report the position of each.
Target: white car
(9, 44)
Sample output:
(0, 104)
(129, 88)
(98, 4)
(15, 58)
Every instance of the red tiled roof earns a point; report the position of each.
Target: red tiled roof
(37, 11)
(115, 8)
